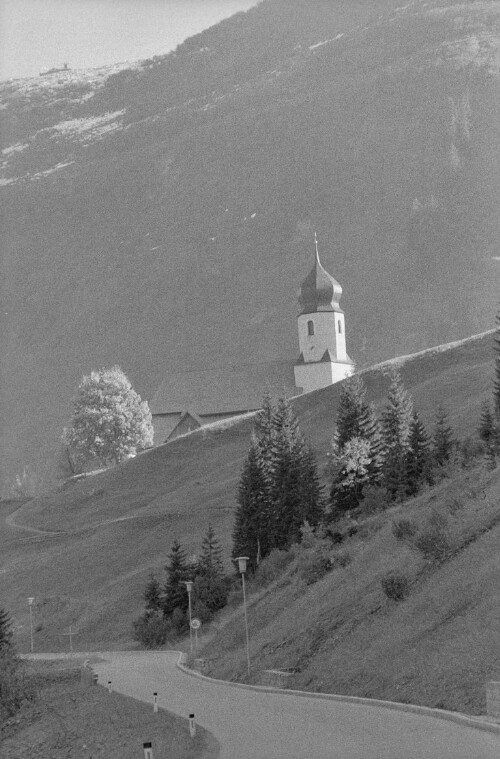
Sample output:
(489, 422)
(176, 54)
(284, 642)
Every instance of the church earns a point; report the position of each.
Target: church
(188, 401)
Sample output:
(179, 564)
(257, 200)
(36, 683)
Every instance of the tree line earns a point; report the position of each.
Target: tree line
(374, 460)
(166, 612)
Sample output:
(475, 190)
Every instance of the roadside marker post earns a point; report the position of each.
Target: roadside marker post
(148, 750)
(192, 726)
(109, 686)
(155, 702)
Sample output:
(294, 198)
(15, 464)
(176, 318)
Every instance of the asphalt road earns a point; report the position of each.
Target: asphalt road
(259, 725)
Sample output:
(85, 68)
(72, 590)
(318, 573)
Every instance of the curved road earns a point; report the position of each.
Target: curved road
(259, 725)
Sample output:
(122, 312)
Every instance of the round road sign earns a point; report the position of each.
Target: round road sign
(195, 624)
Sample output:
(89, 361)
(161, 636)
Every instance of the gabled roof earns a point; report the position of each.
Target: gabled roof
(224, 389)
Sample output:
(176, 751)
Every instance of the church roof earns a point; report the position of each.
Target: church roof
(229, 389)
(319, 291)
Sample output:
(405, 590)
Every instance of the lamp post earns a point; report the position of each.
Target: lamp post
(30, 604)
(189, 586)
(242, 566)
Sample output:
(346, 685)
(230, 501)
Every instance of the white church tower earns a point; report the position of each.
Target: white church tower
(323, 358)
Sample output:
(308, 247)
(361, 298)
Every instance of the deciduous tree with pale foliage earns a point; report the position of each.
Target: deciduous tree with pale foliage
(110, 421)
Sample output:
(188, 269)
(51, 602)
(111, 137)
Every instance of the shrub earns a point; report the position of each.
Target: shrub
(432, 540)
(14, 689)
(151, 629)
(375, 499)
(404, 529)
(271, 567)
(471, 450)
(340, 559)
(395, 586)
(313, 567)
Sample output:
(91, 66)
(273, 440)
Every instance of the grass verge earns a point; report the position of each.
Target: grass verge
(71, 721)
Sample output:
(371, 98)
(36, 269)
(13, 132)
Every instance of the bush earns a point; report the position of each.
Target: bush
(375, 499)
(404, 529)
(471, 450)
(340, 559)
(395, 586)
(313, 567)
(152, 629)
(14, 689)
(432, 540)
(271, 567)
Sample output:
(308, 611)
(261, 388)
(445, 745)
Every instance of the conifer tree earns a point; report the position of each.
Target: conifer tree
(417, 458)
(5, 630)
(152, 594)
(397, 415)
(396, 427)
(251, 529)
(486, 423)
(210, 585)
(442, 440)
(352, 410)
(175, 594)
(294, 487)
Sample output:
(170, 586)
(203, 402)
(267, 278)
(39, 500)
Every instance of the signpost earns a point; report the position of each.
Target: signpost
(195, 625)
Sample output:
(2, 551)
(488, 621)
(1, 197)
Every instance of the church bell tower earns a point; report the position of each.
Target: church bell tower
(323, 358)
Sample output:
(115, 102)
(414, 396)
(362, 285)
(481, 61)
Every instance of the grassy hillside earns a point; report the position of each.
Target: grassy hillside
(438, 647)
(141, 208)
(95, 540)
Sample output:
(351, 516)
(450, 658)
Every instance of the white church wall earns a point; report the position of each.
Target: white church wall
(314, 376)
(329, 332)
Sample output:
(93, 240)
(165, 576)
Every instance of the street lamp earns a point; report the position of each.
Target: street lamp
(30, 604)
(242, 566)
(189, 586)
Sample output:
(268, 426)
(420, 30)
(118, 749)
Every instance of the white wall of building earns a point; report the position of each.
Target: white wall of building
(329, 332)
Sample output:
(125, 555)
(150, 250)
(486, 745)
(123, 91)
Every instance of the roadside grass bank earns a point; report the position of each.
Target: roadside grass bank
(338, 631)
(70, 721)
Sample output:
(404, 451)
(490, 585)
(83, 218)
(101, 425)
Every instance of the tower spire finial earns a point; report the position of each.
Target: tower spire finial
(316, 245)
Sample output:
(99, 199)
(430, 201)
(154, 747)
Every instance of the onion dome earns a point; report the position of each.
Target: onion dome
(319, 291)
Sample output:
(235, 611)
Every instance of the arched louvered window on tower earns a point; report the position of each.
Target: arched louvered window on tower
(340, 327)
(310, 328)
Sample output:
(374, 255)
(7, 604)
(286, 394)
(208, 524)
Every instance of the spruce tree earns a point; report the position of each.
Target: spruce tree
(397, 415)
(5, 630)
(210, 584)
(351, 414)
(294, 488)
(396, 429)
(251, 529)
(152, 594)
(486, 423)
(417, 458)
(442, 440)
(175, 594)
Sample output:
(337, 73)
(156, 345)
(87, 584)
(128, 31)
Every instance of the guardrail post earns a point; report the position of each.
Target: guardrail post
(148, 750)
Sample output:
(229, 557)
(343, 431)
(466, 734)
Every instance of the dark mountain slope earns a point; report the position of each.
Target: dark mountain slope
(162, 217)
